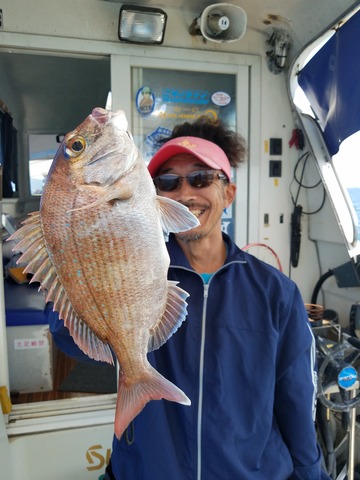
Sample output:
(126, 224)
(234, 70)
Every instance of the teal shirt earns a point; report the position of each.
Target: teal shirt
(206, 277)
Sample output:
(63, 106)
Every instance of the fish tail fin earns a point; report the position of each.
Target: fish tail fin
(132, 398)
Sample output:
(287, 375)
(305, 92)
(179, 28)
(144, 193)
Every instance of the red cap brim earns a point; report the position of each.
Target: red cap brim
(206, 151)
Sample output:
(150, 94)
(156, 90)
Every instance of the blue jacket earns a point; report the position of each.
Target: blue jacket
(245, 357)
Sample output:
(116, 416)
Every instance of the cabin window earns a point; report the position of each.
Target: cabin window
(8, 154)
(327, 92)
(42, 149)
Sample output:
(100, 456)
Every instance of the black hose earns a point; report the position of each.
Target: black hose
(319, 284)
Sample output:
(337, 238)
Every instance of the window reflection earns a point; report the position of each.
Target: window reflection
(42, 149)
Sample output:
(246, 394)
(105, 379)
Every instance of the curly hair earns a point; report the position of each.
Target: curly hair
(216, 131)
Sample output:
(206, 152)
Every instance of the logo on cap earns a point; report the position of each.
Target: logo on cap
(187, 144)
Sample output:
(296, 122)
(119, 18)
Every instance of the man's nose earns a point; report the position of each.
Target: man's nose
(185, 189)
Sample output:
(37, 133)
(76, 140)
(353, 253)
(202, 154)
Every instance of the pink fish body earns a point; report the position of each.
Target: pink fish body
(97, 249)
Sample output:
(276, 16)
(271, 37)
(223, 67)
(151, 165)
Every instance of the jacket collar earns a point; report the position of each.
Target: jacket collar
(177, 256)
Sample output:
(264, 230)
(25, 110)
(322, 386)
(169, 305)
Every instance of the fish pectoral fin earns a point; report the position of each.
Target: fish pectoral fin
(175, 217)
(30, 241)
(119, 191)
(132, 397)
(173, 316)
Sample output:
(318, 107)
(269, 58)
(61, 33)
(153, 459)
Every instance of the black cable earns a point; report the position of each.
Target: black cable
(299, 182)
(305, 157)
(298, 209)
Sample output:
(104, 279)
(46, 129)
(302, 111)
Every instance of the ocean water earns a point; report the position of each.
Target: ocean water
(355, 198)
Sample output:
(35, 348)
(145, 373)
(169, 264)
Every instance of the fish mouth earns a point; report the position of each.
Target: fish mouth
(117, 119)
(99, 112)
(101, 116)
(121, 146)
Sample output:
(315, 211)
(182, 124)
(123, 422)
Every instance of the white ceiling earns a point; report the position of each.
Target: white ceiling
(304, 18)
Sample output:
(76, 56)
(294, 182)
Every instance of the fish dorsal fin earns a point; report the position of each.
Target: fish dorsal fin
(31, 242)
(173, 316)
(175, 217)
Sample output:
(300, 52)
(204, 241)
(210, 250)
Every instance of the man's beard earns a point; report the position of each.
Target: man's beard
(188, 237)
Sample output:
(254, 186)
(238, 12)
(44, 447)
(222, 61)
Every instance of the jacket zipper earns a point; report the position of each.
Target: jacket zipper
(201, 382)
(202, 360)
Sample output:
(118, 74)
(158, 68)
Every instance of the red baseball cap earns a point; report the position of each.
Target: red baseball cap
(206, 151)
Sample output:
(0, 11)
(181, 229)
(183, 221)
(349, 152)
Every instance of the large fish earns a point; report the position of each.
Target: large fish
(97, 248)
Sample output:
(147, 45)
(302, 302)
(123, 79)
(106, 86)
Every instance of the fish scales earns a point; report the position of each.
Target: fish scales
(97, 248)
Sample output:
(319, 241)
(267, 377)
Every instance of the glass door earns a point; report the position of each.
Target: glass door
(166, 92)
(164, 98)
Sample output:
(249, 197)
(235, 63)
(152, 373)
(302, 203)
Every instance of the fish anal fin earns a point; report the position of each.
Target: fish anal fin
(175, 217)
(132, 397)
(173, 316)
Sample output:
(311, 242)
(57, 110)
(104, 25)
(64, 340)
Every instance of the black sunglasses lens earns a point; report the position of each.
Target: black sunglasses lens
(167, 183)
(200, 179)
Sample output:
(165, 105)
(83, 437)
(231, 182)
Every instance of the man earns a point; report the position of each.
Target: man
(245, 354)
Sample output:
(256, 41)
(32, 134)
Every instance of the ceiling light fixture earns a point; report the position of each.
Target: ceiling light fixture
(139, 24)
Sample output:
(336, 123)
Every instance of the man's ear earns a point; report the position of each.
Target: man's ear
(229, 194)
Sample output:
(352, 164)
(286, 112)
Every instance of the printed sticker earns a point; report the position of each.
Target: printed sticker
(29, 343)
(194, 97)
(221, 99)
(145, 101)
(154, 141)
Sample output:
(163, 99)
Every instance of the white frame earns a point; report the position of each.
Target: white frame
(343, 210)
(121, 75)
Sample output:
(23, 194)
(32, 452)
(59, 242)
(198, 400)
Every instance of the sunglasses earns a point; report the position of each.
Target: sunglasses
(201, 179)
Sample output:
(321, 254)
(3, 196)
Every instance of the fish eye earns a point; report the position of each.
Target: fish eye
(75, 146)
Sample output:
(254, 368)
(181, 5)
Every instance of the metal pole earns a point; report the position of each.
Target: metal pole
(351, 439)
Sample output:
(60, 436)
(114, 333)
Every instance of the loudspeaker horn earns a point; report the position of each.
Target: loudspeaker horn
(220, 22)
